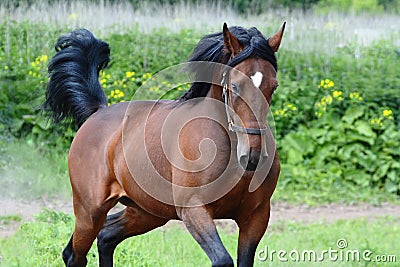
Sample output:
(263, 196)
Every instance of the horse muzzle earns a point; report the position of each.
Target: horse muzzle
(251, 160)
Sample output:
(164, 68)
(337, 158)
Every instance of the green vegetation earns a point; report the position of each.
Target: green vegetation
(258, 6)
(336, 111)
(7, 219)
(30, 171)
(343, 129)
(40, 243)
(359, 6)
(336, 114)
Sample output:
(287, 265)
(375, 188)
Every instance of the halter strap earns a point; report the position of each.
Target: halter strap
(231, 125)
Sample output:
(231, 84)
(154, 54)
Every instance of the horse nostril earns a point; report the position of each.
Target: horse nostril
(244, 159)
(254, 156)
(250, 161)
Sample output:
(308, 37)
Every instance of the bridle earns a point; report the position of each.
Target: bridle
(231, 125)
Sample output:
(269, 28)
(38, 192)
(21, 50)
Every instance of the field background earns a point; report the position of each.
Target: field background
(336, 114)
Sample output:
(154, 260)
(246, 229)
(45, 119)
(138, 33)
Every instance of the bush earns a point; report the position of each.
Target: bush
(337, 115)
(343, 128)
(135, 57)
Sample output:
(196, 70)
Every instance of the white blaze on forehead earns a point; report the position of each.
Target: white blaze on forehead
(257, 79)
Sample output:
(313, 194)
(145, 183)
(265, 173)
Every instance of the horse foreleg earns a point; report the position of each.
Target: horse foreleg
(201, 226)
(129, 222)
(251, 230)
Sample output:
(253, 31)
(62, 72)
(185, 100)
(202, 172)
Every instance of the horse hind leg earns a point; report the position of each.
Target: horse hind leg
(122, 225)
(87, 226)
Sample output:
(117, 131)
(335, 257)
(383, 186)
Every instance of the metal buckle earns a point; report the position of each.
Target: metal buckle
(230, 126)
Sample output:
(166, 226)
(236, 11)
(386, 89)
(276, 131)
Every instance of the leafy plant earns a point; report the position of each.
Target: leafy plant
(344, 133)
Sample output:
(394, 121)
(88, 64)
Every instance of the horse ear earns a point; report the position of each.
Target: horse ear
(230, 41)
(275, 40)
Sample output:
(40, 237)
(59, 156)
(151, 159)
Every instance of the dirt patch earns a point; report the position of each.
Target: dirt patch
(330, 212)
(26, 210)
(280, 212)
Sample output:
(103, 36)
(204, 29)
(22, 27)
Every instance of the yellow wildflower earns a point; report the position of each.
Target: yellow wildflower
(146, 75)
(355, 96)
(387, 112)
(117, 94)
(338, 95)
(73, 16)
(326, 100)
(326, 84)
(43, 58)
(129, 74)
(318, 114)
(291, 107)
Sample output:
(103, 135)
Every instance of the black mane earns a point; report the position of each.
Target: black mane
(211, 49)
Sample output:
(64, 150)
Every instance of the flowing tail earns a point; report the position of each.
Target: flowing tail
(74, 91)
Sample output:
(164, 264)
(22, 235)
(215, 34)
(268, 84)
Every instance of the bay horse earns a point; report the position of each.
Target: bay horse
(118, 153)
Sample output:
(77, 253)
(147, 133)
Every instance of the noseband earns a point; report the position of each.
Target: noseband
(231, 125)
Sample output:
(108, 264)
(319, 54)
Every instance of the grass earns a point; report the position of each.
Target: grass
(40, 243)
(8, 219)
(347, 196)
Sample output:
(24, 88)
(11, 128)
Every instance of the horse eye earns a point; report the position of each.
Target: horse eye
(234, 88)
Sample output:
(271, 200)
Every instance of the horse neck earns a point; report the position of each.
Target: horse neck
(215, 92)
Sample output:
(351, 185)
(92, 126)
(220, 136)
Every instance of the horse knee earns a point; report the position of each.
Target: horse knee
(105, 241)
(109, 235)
